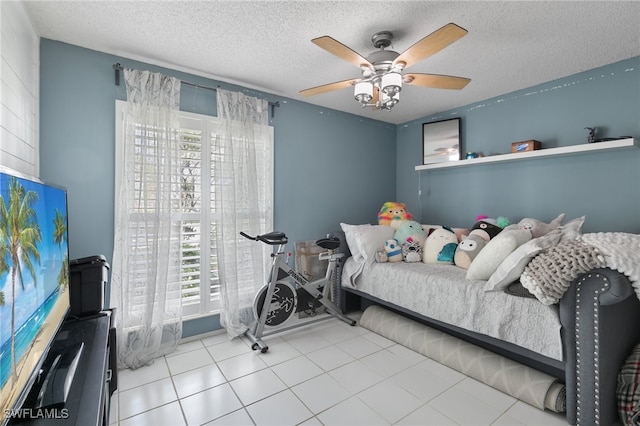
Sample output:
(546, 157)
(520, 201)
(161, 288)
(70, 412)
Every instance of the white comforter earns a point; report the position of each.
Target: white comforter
(441, 292)
(621, 252)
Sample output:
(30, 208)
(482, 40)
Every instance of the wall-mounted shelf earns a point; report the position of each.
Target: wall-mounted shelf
(549, 152)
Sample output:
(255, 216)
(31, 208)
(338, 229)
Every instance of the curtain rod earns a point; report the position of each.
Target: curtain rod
(117, 68)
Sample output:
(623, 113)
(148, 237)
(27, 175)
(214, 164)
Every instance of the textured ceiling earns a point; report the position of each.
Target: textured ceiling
(266, 44)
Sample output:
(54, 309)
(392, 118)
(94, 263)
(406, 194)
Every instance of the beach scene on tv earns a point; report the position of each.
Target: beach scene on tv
(34, 279)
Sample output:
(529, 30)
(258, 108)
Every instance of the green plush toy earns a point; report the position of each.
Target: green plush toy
(410, 230)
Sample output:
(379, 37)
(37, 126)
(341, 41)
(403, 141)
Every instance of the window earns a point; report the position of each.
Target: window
(193, 204)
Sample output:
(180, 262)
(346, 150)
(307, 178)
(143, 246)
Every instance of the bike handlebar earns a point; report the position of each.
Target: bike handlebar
(271, 238)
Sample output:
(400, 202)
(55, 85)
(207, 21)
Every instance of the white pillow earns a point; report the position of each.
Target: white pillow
(351, 235)
(496, 250)
(513, 266)
(365, 240)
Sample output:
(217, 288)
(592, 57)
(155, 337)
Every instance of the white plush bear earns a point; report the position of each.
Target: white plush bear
(537, 227)
(440, 246)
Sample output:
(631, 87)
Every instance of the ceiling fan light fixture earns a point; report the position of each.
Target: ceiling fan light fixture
(388, 102)
(391, 83)
(381, 82)
(363, 92)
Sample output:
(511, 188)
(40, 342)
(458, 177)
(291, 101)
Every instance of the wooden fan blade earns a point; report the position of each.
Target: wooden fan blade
(376, 97)
(332, 45)
(436, 81)
(329, 87)
(431, 44)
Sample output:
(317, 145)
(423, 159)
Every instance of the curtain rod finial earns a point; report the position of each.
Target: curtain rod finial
(117, 67)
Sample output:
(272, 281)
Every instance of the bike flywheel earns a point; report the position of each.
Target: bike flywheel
(283, 303)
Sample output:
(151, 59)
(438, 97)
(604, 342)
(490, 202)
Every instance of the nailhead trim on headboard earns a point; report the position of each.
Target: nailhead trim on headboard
(579, 355)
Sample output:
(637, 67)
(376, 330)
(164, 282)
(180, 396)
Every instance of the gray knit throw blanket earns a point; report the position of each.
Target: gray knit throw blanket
(550, 273)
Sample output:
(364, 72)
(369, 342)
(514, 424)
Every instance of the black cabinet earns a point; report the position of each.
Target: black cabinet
(95, 378)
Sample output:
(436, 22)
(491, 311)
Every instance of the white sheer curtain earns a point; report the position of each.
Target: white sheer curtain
(243, 151)
(145, 281)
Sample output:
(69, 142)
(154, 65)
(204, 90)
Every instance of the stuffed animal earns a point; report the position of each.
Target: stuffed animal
(394, 251)
(461, 233)
(381, 256)
(393, 214)
(440, 246)
(467, 250)
(537, 227)
(410, 229)
(411, 251)
(488, 228)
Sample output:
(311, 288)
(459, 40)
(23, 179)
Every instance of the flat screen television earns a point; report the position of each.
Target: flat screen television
(34, 281)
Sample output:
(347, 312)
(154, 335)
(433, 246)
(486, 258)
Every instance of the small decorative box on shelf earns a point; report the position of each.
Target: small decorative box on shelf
(530, 145)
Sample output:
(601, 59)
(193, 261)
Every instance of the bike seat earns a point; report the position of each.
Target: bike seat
(273, 238)
(329, 243)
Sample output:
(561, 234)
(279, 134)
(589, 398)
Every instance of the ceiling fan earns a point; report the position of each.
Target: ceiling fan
(382, 76)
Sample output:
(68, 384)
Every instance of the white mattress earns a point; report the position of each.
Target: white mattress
(441, 292)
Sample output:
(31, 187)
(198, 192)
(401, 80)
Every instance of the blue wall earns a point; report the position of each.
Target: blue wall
(603, 186)
(327, 163)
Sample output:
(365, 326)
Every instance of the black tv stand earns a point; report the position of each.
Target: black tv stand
(52, 387)
(74, 387)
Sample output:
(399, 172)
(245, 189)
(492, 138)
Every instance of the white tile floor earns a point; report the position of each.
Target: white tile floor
(326, 373)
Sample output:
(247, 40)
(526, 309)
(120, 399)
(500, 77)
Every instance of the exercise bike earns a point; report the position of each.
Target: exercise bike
(278, 300)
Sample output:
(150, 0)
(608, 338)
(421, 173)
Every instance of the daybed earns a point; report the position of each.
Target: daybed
(583, 340)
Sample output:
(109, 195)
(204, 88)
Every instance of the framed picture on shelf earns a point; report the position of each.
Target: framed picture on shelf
(441, 141)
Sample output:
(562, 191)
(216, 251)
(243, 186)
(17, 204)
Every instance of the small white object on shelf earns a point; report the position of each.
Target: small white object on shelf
(548, 152)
